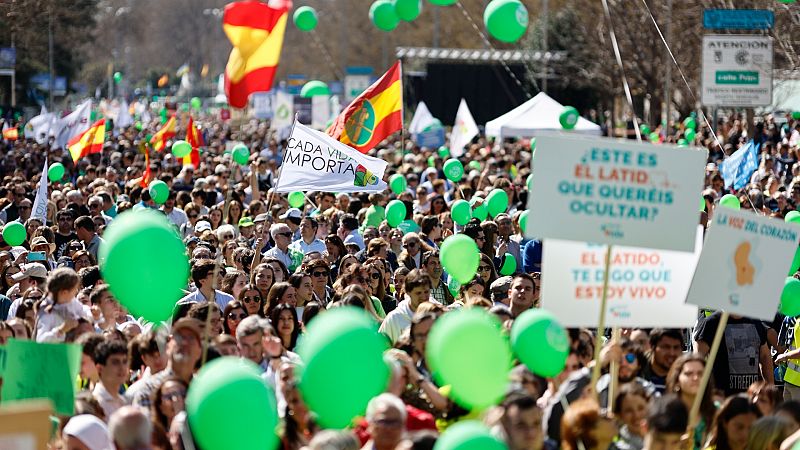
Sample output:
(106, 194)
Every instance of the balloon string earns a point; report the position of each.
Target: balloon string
(625, 85)
(489, 44)
(694, 98)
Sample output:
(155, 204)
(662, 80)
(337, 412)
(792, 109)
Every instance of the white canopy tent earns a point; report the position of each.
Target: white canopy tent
(537, 115)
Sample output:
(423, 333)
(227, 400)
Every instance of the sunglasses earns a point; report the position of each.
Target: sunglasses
(95, 206)
(288, 235)
(255, 299)
(34, 297)
(239, 316)
(25, 207)
(320, 273)
(410, 245)
(227, 236)
(630, 357)
(192, 216)
(484, 268)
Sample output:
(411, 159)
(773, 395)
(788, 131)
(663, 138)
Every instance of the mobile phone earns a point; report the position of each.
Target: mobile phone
(36, 256)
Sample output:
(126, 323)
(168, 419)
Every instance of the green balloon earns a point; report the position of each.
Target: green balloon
(792, 217)
(408, 226)
(682, 143)
(460, 257)
(568, 117)
(398, 183)
(453, 170)
(523, 222)
(314, 88)
(196, 102)
(689, 135)
(55, 172)
(181, 149)
(497, 202)
(14, 233)
(468, 435)
(296, 199)
(443, 152)
(221, 383)
(443, 2)
(790, 298)
(382, 14)
(375, 215)
(529, 182)
(509, 264)
(407, 10)
(466, 349)
(540, 342)
(690, 123)
(702, 203)
(481, 212)
(796, 115)
(533, 144)
(395, 213)
(431, 160)
(730, 201)
(795, 263)
(461, 212)
(506, 20)
(305, 18)
(117, 77)
(241, 153)
(644, 129)
(338, 392)
(654, 137)
(159, 191)
(144, 262)
(474, 165)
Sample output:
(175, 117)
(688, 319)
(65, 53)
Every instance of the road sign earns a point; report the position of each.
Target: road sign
(737, 70)
(738, 19)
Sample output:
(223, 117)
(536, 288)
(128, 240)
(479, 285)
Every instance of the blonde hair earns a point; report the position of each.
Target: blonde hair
(768, 432)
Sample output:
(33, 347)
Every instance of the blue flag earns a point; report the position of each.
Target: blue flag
(737, 168)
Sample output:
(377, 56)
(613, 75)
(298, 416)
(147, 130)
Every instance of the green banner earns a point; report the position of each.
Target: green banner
(736, 77)
(35, 370)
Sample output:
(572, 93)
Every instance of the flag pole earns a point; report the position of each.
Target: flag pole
(280, 170)
(710, 358)
(601, 323)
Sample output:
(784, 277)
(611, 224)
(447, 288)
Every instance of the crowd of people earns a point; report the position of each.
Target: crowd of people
(262, 270)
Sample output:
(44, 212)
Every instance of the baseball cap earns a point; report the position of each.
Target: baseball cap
(201, 226)
(192, 325)
(90, 430)
(292, 213)
(30, 270)
(246, 222)
(261, 218)
(500, 287)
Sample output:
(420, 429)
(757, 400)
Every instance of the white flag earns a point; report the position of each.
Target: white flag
(320, 111)
(74, 124)
(124, 119)
(284, 111)
(464, 130)
(422, 119)
(41, 127)
(314, 161)
(40, 202)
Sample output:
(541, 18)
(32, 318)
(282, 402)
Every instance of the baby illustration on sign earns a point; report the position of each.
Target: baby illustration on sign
(745, 271)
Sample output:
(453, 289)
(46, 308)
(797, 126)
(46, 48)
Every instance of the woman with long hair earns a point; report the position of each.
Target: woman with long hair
(584, 428)
(683, 379)
(234, 213)
(438, 205)
(279, 270)
(233, 282)
(281, 292)
(215, 216)
(263, 277)
(732, 424)
(334, 251)
(486, 270)
(768, 433)
(303, 290)
(168, 401)
(252, 299)
(233, 313)
(287, 326)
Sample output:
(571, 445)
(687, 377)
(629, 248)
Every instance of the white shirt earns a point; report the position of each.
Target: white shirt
(48, 324)
(282, 256)
(108, 402)
(397, 321)
(220, 298)
(315, 246)
(176, 216)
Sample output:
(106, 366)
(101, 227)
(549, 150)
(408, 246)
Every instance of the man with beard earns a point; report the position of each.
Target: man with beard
(630, 359)
(666, 346)
(433, 267)
(183, 352)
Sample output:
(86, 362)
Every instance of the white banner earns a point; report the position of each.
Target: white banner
(611, 191)
(124, 119)
(422, 119)
(464, 129)
(41, 127)
(313, 161)
(744, 264)
(40, 202)
(646, 288)
(74, 124)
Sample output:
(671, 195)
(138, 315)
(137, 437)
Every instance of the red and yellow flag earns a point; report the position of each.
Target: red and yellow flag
(88, 142)
(167, 132)
(373, 115)
(11, 134)
(256, 33)
(195, 139)
(147, 174)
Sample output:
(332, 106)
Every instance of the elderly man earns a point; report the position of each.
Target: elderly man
(130, 429)
(386, 422)
(282, 235)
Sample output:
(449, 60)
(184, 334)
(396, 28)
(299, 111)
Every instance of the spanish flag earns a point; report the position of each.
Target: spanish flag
(148, 176)
(167, 132)
(373, 115)
(256, 33)
(10, 134)
(195, 139)
(88, 142)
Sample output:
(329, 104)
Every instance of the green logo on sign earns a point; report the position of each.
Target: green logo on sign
(736, 77)
(282, 112)
(361, 124)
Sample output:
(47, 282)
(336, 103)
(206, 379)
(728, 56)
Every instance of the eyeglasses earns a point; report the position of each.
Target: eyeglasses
(25, 207)
(630, 357)
(239, 316)
(484, 268)
(256, 299)
(192, 216)
(227, 236)
(34, 297)
(83, 261)
(410, 245)
(287, 235)
(536, 275)
(319, 273)
(95, 205)
(64, 219)
(480, 237)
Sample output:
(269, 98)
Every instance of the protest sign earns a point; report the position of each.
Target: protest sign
(646, 288)
(25, 425)
(36, 370)
(615, 192)
(743, 264)
(314, 161)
